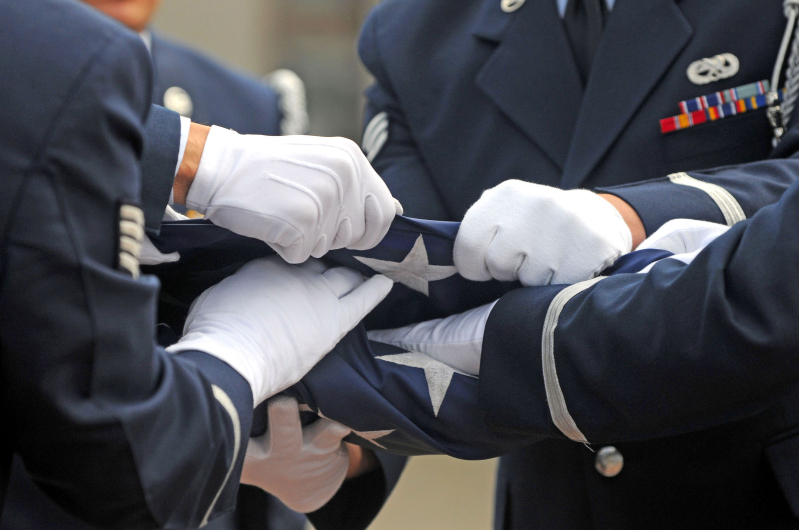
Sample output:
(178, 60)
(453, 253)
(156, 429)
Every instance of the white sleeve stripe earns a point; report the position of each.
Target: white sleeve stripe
(730, 209)
(379, 122)
(555, 399)
(382, 116)
(369, 143)
(380, 141)
(228, 405)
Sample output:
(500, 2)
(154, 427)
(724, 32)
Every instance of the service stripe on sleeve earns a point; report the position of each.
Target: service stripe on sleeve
(228, 405)
(730, 208)
(555, 399)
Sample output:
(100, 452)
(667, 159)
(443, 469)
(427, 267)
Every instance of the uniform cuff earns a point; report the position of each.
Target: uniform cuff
(185, 127)
(511, 389)
(162, 140)
(658, 201)
(229, 380)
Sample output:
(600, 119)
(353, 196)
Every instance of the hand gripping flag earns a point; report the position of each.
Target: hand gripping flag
(396, 400)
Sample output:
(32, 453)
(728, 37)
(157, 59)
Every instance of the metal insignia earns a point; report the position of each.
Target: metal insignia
(712, 69)
(177, 99)
(131, 235)
(509, 6)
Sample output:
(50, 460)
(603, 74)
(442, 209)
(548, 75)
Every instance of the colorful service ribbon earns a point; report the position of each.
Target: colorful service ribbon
(726, 96)
(719, 106)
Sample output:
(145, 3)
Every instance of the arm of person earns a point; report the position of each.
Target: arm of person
(115, 430)
(681, 348)
(388, 142)
(579, 233)
(302, 195)
(723, 195)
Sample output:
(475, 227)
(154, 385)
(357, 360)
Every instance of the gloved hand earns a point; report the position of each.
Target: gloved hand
(302, 195)
(272, 322)
(456, 341)
(150, 255)
(302, 466)
(539, 235)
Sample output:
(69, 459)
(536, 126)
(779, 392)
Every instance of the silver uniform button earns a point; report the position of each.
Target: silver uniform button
(609, 461)
(178, 100)
(509, 6)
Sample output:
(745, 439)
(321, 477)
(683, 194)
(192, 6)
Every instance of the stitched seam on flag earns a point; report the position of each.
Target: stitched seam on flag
(730, 208)
(555, 398)
(228, 405)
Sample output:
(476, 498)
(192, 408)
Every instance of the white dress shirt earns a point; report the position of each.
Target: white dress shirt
(562, 5)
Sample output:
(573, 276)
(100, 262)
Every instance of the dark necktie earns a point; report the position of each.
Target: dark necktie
(584, 21)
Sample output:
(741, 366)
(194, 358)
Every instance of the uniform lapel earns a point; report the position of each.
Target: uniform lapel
(641, 40)
(531, 75)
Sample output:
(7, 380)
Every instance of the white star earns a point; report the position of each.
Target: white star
(437, 374)
(370, 436)
(414, 271)
(373, 435)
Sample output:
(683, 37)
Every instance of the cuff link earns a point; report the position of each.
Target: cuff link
(131, 235)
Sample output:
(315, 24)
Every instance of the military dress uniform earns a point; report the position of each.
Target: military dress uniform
(199, 88)
(115, 430)
(685, 414)
(157, 141)
(196, 87)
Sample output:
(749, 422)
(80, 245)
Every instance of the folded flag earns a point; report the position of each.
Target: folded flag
(416, 254)
(395, 400)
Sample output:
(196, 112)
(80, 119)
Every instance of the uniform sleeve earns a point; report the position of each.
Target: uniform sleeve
(158, 164)
(724, 195)
(359, 500)
(636, 356)
(110, 426)
(387, 140)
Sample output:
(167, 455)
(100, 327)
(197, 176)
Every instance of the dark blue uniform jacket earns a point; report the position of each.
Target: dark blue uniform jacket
(689, 372)
(113, 429)
(253, 111)
(219, 96)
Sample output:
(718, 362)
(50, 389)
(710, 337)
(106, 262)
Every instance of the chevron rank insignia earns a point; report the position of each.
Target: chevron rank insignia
(131, 234)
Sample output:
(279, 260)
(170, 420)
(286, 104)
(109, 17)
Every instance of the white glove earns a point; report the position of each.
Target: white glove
(302, 195)
(539, 235)
(272, 322)
(302, 466)
(456, 341)
(150, 255)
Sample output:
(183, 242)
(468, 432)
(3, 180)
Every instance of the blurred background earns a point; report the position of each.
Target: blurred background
(317, 39)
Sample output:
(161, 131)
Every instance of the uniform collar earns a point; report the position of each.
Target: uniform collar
(147, 37)
(562, 6)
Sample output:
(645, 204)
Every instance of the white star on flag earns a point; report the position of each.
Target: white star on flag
(437, 374)
(414, 271)
(370, 436)
(373, 435)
